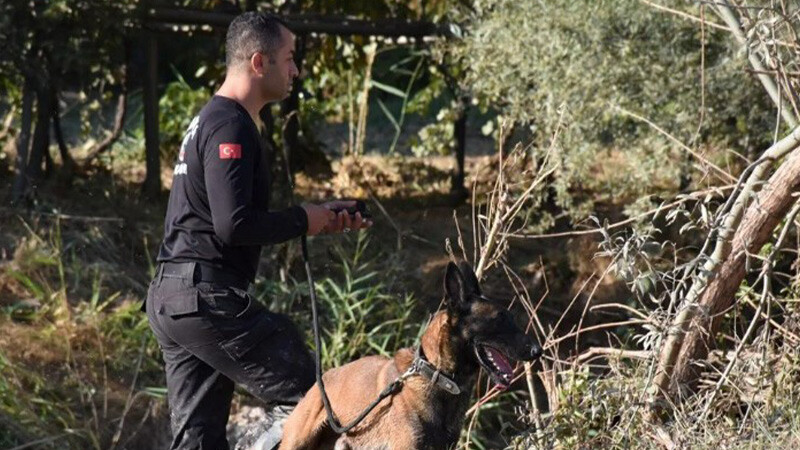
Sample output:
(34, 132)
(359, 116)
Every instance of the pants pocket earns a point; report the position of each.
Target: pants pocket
(255, 331)
(243, 322)
(181, 303)
(223, 301)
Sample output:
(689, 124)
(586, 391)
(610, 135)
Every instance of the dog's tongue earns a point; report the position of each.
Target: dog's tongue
(500, 360)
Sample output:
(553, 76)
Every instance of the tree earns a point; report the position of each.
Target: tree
(585, 64)
(753, 216)
(53, 45)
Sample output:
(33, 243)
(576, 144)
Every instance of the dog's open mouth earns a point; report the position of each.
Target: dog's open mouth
(496, 364)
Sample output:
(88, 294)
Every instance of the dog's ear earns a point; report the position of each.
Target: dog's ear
(460, 285)
(472, 285)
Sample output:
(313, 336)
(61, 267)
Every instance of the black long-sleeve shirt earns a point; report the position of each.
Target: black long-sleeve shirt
(218, 207)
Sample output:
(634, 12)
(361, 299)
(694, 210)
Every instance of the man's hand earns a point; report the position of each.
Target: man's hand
(322, 218)
(319, 217)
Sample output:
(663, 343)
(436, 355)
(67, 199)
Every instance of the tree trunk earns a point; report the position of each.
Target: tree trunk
(758, 224)
(458, 190)
(119, 118)
(41, 135)
(152, 182)
(23, 144)
(290, 106)
(693, 330)
(67, 171)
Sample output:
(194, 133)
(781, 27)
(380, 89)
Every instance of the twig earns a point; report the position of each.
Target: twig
(631, 310)
(39, 442)
(610, 351)
(535, 415)
(486, 252)
(472, 421)
(685, 15)
(460, 236)
(783, 331)
(622, 223)
(141, 423)
(724, 174)
(129, 401)
(589, 301)
(569, 306)
(59, 216)
(388, 217)
(602, 326)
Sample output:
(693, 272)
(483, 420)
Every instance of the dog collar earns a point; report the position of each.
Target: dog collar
(423, 367)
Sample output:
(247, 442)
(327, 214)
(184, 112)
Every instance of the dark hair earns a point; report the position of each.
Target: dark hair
(252, 32)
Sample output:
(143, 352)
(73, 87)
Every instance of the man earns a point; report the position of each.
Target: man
(212, 333)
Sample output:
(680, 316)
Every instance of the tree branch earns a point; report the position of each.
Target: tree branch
(725, 12)
(700, 303)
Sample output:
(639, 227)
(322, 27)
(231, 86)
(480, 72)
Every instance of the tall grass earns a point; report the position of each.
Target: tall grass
(72, 345)
(358, 314)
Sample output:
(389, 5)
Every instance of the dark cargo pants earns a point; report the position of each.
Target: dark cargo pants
(212, 336)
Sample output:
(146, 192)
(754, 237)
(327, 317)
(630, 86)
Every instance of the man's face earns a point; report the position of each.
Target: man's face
(279, 70)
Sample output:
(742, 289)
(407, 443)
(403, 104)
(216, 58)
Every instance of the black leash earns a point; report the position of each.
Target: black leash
(389, 390)
(312, 290)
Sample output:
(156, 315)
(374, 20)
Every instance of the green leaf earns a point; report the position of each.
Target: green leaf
(386, 88)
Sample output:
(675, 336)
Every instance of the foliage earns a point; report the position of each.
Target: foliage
(437, 137)
(72, 43)
(359, 316)
(402, 9)
(608, 412)
(574, 69)
(81, 338)
(73, 38)
(395, 86)
(179, 104)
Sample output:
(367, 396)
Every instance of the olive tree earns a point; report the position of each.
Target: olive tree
(625, 82)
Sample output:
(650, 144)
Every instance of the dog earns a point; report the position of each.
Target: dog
(428, 410)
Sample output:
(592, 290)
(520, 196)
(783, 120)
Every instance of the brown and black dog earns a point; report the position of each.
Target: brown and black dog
(428, 410)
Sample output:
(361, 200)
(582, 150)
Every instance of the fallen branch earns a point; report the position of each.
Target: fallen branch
(116, 132)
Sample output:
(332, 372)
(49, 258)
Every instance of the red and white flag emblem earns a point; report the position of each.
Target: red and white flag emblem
(230, 151)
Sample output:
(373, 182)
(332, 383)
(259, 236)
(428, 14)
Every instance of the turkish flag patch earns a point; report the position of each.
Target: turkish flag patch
(230, 151)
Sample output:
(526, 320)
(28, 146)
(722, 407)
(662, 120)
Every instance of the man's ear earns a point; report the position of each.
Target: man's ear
(257, 63)
(459, 288)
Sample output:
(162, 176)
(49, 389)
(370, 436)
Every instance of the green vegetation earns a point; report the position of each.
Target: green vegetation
(622, 125)
(587, 75)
